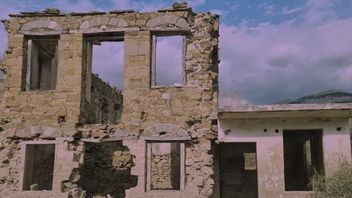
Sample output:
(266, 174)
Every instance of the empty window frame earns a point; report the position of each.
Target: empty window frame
(38, 167)
(168, 60)
(42, 62)
(303, 157)
(165, 166)
(105, 58)
(104, 61)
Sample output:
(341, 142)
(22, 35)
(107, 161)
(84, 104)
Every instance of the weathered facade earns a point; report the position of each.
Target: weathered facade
(282, 147)
(66, 133)
(52, 103)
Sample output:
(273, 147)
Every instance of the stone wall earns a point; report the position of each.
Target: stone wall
(106, 169)
(165, 166)
(105, 105)
(185, 113)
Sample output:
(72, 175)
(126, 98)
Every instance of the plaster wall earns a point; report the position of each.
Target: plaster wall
(270, 159)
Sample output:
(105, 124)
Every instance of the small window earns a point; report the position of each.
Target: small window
(168, 60)
(42, 61)
(303, 157)
(165, 166)
(38, 167)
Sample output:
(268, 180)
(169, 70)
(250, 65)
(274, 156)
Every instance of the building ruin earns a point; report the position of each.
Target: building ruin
(67, 133)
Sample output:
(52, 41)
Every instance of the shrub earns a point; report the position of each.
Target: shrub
(338, 185)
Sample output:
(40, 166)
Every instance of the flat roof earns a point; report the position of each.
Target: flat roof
(287, 110)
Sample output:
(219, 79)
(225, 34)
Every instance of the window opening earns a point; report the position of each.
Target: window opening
(168, 60)
(303, 157)
(165, 166)
(42, 61)
(104, 80)
(38, 167)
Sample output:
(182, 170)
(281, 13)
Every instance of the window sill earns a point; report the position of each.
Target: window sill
(167, 86)
(164, 192)
(299, 192)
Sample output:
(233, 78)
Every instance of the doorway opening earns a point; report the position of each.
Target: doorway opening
(238, 170)
(303, 157)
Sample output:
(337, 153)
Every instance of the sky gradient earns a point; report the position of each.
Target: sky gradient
(270, 50)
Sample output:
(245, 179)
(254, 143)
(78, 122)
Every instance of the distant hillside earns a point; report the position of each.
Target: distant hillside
(330, 96)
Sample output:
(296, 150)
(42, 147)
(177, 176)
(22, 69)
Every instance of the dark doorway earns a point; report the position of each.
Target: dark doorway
(39, 167)
(303, 156)
(107, 170)
(238, 170)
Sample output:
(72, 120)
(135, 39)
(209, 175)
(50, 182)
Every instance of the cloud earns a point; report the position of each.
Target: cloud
(139, 5)
(195, 3)
(268, 63)
(75, 6)
(219, 12)
(319, 11)
(235, 7)
(269, 9)
(287, 11)
(263, 63)
(169, 60)
(108, 62)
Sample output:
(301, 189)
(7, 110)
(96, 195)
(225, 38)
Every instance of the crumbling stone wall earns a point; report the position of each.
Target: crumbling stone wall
(106, 169)
(105, 106)
(165, 169)
(185, 113)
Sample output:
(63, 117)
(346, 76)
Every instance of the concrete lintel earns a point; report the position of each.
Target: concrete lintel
(90, 140)
(112, 139)
(69, 139)
(39, 194)
(167, 29)
(165, 138)
(38, 142)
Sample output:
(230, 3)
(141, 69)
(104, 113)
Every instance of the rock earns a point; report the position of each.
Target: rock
(4, 173)
(51, 133)
(34, 187)
(98, 133)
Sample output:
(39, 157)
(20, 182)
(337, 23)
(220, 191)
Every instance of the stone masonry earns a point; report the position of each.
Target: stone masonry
(106, 103)
(110, 158)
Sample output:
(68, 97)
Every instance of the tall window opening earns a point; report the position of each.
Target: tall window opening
(303, 157)
(42, 61)
(38, 167)
(104, 79)
(168, 60)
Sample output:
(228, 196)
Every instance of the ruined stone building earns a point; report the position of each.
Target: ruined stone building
(67, 133)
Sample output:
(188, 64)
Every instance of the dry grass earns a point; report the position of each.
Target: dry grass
(339, 185)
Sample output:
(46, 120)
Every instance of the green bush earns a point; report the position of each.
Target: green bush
(339, 185)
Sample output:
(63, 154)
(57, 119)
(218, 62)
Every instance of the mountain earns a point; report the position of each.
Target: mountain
(329, 96)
